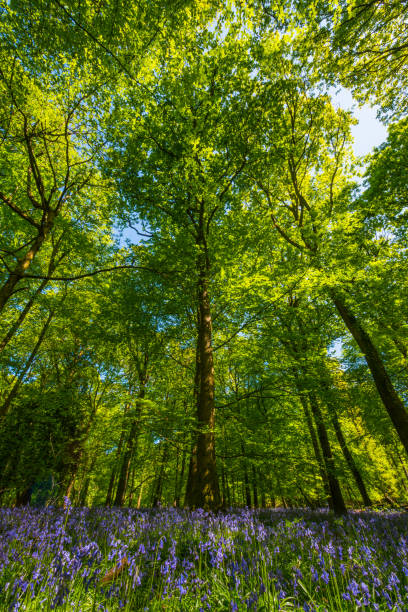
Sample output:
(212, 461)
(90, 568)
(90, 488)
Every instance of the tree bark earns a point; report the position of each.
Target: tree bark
(223, 495)
(131, 440)
(76, 448)
(208, 494)
(246, 479)
(255, 487)
(317, 451)
(205, 493)
(349, 457)
(114, 471)
(13, 393)
(180, 479)
(159, 482)
(339, 506)
(23, 498)
(392, 402)
(227, 491)
(17, 324)
(20, 269)
(127, 458)
(192, 477)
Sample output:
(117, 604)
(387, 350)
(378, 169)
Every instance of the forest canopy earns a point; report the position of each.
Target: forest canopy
(203, 290)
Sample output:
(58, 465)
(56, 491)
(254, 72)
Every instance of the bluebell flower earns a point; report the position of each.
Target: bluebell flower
(325, 576)
(353, 588)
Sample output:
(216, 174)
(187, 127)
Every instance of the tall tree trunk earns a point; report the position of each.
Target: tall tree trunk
(205, 493)
(131, 440)
(109, 495)
(86, 480)
(13, 393)
(317, 451)
(17, 324)
(76, 448)
(139, 498)
(232, 489)
(126, 462)
(401, 461)
(227, 491)
(83, 494)
(255, 487)
(348, 456)
(392, 402)
(280, 491)
(339, 506)
(192, 478)
(159, 481)
(180, 479)
(132, 485)
(22, 265)
(23, 497)
(223, 492)
(246, 479)
(176, 476)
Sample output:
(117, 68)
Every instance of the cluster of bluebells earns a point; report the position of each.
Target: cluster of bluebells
(111, 559)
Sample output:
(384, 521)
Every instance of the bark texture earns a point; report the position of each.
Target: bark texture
(339, 507)
(392, 402)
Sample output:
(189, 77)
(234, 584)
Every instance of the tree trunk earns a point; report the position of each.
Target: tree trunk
(339, 506)
(349, 457)
(246, 479)
(139, 498)
(131, 441)
(159, 482)
(232, 490)
(223, 491)
(317, 451)
(255, 487)
(180, 479)
(227, 491)
(84, 492)
(23, 498)
(280, 491)
(400, 459)
(192, 477)
(205, 493)
(132, 486)
(16, 275)
(392, 402)
(109, 495)
(76, 449)
(13, 393)
(126, 461)
(16, 325)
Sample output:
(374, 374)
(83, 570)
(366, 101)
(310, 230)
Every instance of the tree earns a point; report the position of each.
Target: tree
(180, 173)
(302, 183)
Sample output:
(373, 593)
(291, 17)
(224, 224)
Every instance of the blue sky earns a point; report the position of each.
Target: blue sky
(369, 132)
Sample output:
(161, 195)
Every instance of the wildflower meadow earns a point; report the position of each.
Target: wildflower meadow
(170, 559)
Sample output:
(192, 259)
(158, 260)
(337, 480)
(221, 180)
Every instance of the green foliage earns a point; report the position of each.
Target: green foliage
(205, 129)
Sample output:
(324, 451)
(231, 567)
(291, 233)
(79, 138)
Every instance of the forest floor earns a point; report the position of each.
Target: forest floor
(170, 559)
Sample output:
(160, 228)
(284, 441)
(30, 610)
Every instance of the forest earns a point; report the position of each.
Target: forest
(203, 298)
